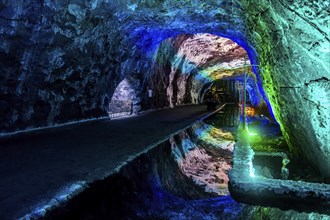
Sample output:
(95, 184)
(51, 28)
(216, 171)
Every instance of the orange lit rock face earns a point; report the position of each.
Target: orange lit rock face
(249, 111)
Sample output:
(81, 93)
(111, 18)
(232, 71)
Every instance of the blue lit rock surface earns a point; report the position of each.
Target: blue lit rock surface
(61, 61)
(292, 41)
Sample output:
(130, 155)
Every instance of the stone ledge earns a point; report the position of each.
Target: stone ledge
(284, 194)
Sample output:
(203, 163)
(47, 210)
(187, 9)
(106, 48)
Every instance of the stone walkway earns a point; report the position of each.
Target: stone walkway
(53, 163)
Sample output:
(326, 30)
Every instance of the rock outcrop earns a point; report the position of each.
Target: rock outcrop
(293, 46)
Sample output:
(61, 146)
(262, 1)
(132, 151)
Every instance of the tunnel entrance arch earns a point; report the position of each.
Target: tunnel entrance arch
(124, 98)
(187, 66)
(188, 63)
(149, 41)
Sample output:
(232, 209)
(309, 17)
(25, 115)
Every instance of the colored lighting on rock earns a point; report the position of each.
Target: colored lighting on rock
(253, 134)
(251, 170)
(249, 111)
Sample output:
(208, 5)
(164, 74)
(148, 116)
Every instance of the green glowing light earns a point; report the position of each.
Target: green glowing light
(252, 134)
(264, 48)
(254, 137)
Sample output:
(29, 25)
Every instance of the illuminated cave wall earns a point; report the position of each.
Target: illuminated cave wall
(186, 63)
(60, 59)
(292, 40)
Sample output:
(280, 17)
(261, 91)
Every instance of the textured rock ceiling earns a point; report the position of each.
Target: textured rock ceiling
(61, 60)
(207, 50)
(214, 56)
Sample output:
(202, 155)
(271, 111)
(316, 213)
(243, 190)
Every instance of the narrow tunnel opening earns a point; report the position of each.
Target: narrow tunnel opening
(186, 66)
(125, 98)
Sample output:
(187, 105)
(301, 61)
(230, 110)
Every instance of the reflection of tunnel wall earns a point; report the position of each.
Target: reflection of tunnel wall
(228, 117)
(150, 187)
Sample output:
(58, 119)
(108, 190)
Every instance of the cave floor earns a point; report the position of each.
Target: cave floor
(38, 166)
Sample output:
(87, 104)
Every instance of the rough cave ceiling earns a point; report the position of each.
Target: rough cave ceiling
(60, 59)
(208, 49)
(213, 54)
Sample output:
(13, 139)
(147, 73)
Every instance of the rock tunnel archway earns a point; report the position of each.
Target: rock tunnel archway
(88, 46)
(185, 66)
(125, 99)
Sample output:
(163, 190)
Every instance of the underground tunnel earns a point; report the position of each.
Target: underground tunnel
(168, 109)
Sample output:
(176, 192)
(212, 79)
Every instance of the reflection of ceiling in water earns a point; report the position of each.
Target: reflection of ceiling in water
(203, 153)
(215, 136)
(206, 170)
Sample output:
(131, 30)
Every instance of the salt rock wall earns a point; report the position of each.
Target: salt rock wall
(292, 40)
(187, 64)
(58, 62)
(61, 61)
(173, 75)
